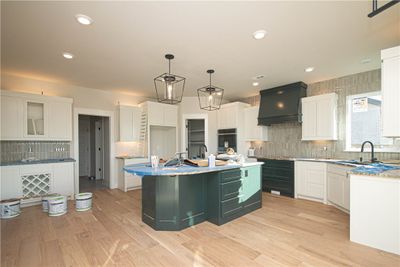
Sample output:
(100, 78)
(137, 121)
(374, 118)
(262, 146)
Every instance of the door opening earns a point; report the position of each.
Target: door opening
(93, 157)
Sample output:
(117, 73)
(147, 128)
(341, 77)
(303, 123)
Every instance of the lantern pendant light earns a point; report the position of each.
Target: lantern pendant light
(169, 87)
(210, 96)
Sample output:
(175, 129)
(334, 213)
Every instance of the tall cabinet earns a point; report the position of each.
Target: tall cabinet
(391, 91)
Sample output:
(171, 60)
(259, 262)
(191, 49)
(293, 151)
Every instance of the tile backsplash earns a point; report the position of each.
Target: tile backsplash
(17, 150)
(285, 139)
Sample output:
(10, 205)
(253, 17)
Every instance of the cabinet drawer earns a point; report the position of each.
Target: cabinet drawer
(230, 175)
(231, 189)
(231, 206)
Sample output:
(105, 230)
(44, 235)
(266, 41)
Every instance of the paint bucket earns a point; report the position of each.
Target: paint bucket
(10, 208)
(45, 201)
(83, 201)
(57, 205)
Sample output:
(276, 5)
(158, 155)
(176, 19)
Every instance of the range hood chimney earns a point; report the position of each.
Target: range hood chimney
(281, 104)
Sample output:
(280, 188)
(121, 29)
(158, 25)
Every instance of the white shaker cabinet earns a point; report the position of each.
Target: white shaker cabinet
(159, 114)
(338, 186)
(63, 178)
(253, 132)
(319, 117)
(60, 121)
(128, 181)
(11, 183)
(310, 180)
(129, 123)
(11, 118)
(391, 91)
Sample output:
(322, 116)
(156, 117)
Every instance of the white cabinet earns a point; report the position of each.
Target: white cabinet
(128, 181)
(129, 123)
(11, 184)
(319, 117)
(231, 115)
(33, 180)
(338, 186)
(35, 117)
(253, 132)
(310, 180)
(11, 118)
(161, 114)
(391, 91)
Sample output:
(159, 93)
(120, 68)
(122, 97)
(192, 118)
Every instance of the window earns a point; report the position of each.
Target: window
(364, 123)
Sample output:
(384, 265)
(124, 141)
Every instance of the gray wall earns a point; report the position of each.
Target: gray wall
(285, 139)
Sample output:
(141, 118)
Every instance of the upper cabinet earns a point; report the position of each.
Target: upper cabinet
(231, 115)
(159, 114)
(35, 117)
(129, 123)
(391, 91)
(252, 131)
(319, 117)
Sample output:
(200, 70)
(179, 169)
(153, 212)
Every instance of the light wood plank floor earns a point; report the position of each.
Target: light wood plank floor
(285, 232)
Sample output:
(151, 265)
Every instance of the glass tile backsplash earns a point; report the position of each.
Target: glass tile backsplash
(12, 151)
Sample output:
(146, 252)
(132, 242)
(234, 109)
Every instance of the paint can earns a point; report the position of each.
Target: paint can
(83, 201)
(45, 201)
(57, 205)
(10, 208)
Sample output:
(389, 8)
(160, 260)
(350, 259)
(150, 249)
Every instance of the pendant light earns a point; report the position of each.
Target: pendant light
(169, 87)
(210, 96)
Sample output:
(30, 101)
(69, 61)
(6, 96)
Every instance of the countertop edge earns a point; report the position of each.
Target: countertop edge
(50, 161)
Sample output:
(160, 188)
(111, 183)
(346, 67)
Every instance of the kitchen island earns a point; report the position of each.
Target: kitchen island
(179, 197)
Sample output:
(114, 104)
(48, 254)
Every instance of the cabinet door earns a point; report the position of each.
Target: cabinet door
(125, 124)
(11, 118)
(310, 180)
(391, 96)
(251, 185)
(63, 178)
(335, 188)
(325, 121)
(11, 184)
(314, 183)
(251, 129)
(170, 115)
(221, 118)
(346, 192)
(60, 121)
(309, 125)
(36, 115)
(155, 113)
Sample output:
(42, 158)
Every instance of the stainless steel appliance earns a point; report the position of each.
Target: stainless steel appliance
(227, 138)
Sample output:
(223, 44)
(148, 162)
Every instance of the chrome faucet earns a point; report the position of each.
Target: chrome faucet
(202, 151)
(373, 159)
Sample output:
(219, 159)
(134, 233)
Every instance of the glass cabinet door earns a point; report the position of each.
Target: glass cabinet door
(35, 118)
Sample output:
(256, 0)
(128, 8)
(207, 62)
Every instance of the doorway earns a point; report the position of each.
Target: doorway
(93, 156)
(195, 135)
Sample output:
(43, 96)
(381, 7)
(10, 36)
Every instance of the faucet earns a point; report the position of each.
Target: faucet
(202, 151)
(373, 159)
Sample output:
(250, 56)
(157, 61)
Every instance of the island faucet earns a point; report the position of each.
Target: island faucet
(202, 151)
(373, 159)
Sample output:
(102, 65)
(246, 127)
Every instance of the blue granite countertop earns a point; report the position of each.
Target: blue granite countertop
(377, 169)
(43, 161)
(147, 170)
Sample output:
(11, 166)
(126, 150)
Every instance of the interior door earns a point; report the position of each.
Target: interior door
(99, 148)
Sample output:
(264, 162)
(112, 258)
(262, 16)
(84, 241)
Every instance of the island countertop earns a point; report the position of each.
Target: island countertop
(147, 170)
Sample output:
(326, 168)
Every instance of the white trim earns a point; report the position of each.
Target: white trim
(200, 116)
(101, 113)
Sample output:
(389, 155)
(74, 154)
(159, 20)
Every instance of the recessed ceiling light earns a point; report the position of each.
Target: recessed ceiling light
(255, 83)
(365, 61)
(258, 35)
(83, 19)
(68, 55)
(309, 69)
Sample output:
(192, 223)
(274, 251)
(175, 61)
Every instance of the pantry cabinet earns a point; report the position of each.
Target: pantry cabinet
(35, 117)
(253, 132)
(338, 186)
(129, 123)
(310, 180)
(159, 114)
(319, 116)
(391, 92)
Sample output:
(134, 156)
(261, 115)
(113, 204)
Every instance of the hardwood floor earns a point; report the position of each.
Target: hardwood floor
(285, 232)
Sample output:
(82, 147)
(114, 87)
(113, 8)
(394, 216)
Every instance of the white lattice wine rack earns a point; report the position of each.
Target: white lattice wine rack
(34, 185)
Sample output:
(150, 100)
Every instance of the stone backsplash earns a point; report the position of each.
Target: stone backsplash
(285, 139)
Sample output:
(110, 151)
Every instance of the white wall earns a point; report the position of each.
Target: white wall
(190, 105)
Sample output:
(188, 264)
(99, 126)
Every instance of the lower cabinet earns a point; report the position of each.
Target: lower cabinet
(34, 180)
(233, 193)
(338, 186)
(128, 181)
(310, 179)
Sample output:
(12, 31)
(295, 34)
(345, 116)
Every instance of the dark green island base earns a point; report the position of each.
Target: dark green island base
(173, 203)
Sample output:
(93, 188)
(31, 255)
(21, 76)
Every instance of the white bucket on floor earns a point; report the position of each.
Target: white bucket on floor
(83, 201)
(45, 201)
(10, 208)
(57, 205)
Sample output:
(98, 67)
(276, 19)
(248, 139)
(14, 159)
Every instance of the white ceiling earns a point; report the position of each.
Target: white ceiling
(124, 48)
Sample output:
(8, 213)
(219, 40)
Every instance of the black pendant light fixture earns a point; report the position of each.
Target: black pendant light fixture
(210, 97)
(169, 87)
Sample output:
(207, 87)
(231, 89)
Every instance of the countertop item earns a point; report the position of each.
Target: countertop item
(147, 170)
(43, 161)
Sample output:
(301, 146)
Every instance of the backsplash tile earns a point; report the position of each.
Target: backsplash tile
(285, 139)
(11, 151)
